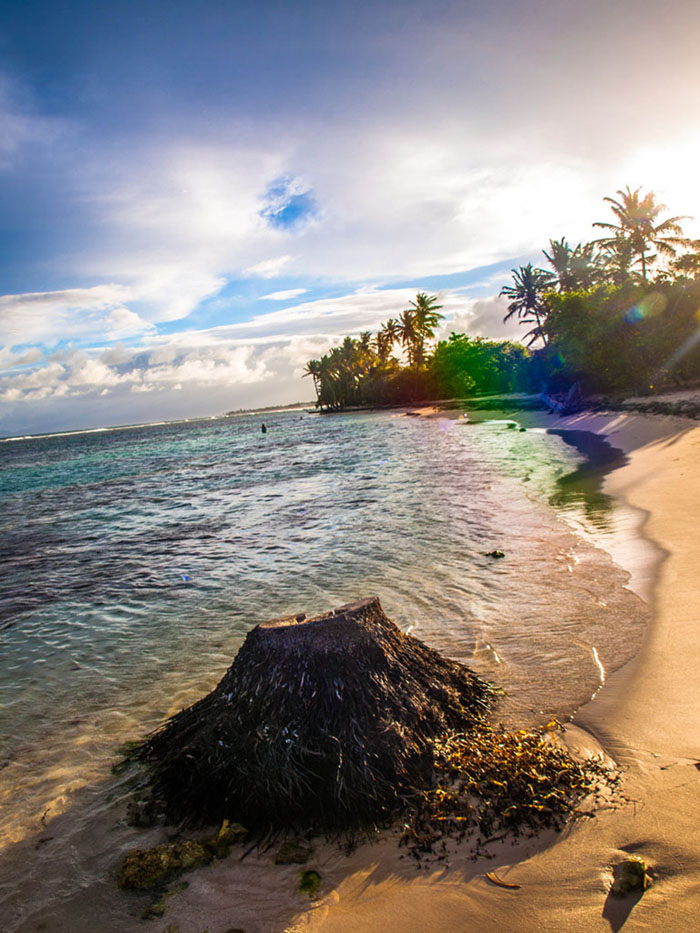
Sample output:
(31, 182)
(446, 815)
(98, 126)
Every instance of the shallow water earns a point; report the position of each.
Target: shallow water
(135, 560)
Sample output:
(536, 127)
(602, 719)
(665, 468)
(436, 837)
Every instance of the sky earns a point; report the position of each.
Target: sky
(198, 197)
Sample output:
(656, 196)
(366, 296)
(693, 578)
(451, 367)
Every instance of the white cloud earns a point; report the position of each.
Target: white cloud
(47, 317)
(268, 268)
(284, 295)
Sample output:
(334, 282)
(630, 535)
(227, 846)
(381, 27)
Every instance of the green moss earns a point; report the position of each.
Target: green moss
(148, 868)
(157, 908)
(309, 882)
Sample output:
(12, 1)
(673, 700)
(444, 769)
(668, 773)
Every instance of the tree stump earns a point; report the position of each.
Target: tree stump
(323, 723)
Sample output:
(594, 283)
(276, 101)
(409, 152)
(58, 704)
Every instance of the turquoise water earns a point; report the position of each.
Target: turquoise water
(135, 560)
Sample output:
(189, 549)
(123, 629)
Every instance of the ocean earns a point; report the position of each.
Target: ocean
(134, 561)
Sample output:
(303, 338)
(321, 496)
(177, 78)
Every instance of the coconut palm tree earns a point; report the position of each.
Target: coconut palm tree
(313, 369)
(408, 334)
(617, 259)
(527, 298)
(574, 268)
(689, 264)
(426, 318)
(637, 217)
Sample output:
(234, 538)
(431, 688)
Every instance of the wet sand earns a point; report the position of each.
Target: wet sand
(648, 718)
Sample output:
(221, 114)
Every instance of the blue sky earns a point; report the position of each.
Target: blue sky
(198, 197)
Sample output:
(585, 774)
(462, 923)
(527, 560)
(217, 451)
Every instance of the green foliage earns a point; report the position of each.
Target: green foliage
(626, 338)
(465, 365)
(364, 372)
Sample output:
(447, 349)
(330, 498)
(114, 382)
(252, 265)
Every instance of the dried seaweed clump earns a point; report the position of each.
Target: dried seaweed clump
(498, 783)
(323, 724)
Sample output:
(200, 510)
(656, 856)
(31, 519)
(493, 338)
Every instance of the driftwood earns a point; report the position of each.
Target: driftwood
(324, 723)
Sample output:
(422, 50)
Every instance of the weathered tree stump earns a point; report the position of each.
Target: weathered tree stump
(321, 723)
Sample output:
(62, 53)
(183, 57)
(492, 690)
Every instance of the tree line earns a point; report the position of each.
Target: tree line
(366, 370)
(620, 313)
(617, 314)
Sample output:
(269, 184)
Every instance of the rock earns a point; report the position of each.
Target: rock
(495, 554)
(309, 883)
(148, 868)
(293, 853)
(228, 835)
(631, 875)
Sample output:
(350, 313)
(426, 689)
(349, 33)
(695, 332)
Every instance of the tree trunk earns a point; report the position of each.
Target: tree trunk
(321, 723)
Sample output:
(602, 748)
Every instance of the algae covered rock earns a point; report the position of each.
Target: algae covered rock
(309, 883)
(630, 876)
(228, 835)
(148, 868)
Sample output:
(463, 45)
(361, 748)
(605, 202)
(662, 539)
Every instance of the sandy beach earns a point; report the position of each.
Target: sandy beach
(647, 717)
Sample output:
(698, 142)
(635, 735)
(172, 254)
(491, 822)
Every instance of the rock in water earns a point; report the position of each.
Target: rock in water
(321, 723)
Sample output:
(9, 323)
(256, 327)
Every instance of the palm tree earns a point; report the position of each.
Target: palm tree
(585, 266)
(408, 334)
(637, 215)
(365, 351)
(689, 264)
(426, 318)
(559, 258)
(574, 268)
(617, 259)
(527, 298)
(313, 369)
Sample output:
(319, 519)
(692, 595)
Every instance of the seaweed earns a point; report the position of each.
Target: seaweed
(495, 783)
(309, 883)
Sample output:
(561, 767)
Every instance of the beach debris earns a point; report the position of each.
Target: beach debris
(341, 724)
(630, 876)
(495, 553)
(293, 853)
(322, 724)
(494, 879)
(491, 783)
(157, 908)
(309, 882)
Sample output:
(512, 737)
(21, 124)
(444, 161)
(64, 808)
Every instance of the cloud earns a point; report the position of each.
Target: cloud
(268, 268)
(284, 295)
(79, 313)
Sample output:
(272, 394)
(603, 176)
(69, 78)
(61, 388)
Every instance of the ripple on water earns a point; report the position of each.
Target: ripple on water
(135, 561)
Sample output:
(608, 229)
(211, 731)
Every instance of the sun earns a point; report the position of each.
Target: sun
(672, 172)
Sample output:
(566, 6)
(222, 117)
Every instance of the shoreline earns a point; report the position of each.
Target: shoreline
(646, 716)
(564, 878)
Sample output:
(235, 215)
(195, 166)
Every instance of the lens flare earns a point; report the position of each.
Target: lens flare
(652, 304)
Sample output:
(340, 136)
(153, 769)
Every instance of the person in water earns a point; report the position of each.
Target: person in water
(263, 428)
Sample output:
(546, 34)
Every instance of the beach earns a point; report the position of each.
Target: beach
(647, 717)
